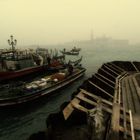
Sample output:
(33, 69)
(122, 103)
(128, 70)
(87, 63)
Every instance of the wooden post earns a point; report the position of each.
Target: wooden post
(115, 122)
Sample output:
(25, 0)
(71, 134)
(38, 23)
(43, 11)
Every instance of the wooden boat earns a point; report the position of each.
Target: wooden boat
(25, 92)
(74, 51)
(69, 52)
(105, 106)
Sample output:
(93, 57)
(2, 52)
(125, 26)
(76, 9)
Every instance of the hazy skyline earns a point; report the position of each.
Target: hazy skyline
(51, 22)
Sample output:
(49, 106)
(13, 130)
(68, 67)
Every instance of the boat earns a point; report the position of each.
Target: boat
(21, 92)
(16, 63)
(69, 52)
(74, 51)
(75, 62)
(105, 106)
(22, 67)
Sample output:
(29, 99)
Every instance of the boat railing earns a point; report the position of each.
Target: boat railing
(118, 103)
(16, 58)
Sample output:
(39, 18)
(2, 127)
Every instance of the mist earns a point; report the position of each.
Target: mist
(42, 22)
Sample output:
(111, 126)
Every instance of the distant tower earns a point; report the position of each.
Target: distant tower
(91, 36)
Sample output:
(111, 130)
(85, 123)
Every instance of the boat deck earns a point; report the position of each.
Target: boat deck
(35, 89)
(110, 99)
(118, 89)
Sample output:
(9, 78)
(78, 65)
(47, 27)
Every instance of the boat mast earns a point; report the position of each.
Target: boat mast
(13, 44)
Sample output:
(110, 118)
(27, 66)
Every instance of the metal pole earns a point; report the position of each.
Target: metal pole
(12, 43)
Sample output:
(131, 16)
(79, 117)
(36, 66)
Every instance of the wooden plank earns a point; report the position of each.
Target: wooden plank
(111, 70)
(115, 122)
(124, 109)
(134, 94)
(136, 85)
(117, 67)
(131, 124)
(136, 121)
(100, 89)
(69, 108)
(135, 67)
(106, 78)
(115, 99)
(79, 96)
(96, 97)
(78, 106)
(129, 95)
(103, 81)
(119, 92)
(109, 65)
(108, 73)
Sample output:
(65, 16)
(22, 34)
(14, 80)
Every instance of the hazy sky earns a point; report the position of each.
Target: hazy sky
(57, 21)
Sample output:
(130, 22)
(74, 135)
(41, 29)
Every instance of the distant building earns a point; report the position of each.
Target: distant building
(98, 42)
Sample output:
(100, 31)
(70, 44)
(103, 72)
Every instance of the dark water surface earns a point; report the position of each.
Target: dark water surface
(18, 124)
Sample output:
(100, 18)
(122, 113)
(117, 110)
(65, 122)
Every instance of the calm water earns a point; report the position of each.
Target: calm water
(19, 124)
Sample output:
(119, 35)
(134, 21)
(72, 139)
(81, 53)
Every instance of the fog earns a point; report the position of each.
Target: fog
(56, 21)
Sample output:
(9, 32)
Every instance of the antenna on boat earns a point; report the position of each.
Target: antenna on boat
(12, 43)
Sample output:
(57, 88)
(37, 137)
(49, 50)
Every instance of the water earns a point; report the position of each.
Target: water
(19, 124)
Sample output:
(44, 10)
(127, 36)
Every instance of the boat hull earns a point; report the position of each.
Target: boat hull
(28, 98)
(11, 75)
(19, 73)
(70, 53)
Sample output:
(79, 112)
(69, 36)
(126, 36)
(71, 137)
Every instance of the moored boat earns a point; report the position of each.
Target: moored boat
(16, 63)
(16, 94)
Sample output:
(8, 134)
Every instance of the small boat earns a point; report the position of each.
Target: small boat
(74, 51)
(28, 91)
(69, 52)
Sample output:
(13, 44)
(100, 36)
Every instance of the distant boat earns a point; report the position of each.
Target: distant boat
(69, 52)
(74, 51)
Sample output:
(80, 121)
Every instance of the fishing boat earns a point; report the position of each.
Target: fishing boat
(105, 106)
(15, 63)
(22, 92)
